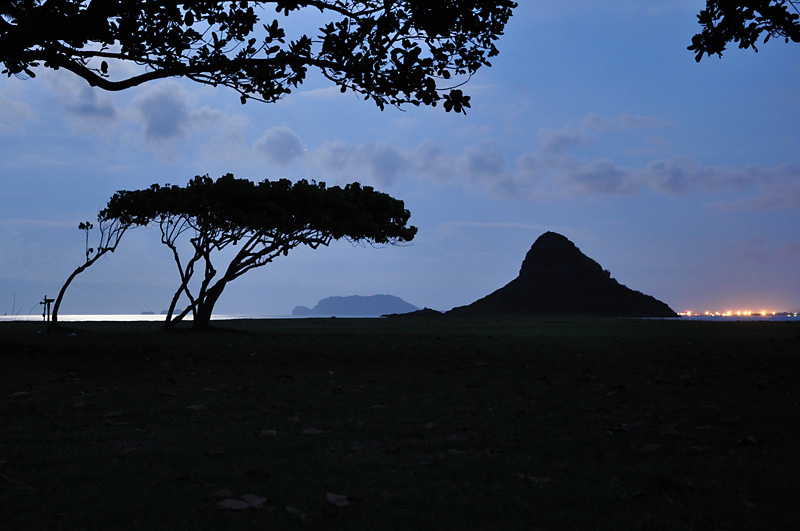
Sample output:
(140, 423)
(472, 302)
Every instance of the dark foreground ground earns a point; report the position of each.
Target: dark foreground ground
(402, 424)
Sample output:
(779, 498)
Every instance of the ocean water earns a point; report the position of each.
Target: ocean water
(129, 317)
(226, 317)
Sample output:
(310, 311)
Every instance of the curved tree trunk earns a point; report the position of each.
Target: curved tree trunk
(202, 317)
(78, 271)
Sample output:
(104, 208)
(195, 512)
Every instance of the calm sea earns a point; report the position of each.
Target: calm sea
(130, 317)
(226, 317)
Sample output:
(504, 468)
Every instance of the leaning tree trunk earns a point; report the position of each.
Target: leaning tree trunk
(78, 271)
(202, 317)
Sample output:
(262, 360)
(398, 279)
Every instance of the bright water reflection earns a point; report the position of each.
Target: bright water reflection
(130, 317)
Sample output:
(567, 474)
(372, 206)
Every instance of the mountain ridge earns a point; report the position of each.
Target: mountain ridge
(556, 278)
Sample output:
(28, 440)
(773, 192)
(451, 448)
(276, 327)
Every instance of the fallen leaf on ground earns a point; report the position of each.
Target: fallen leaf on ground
(256, 502)
(312, 431)
(267, 433)
(668, 430)
(234, 505)
(533, 479)
(339, 500)
(649, 448)
(258, 472)
(21, 394)
(247, 501)
(746, 500)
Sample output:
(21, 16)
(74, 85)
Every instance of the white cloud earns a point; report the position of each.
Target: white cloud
(557, 141)
(165, 111)
(484, 160)
(674, 177)
(552, 170)
(377, 162)
(91, 103)
(383, 162)
(431, 161)
(601, 176)
(13, 115)
(280, 145)
(621, 123)
(335, 156)
(777, 187)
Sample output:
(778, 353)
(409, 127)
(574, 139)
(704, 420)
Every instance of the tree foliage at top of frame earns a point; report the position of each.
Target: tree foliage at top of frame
(391, 51)
(744, 22)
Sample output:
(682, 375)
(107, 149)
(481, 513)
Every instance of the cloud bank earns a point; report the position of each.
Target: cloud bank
(552, 170)
(556, 165)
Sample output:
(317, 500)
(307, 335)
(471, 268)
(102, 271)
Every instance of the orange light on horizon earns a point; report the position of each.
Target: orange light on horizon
(731, 313)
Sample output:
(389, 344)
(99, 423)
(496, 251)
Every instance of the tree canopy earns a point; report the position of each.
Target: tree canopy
(391, 51)
(744, 22)
(262, 221)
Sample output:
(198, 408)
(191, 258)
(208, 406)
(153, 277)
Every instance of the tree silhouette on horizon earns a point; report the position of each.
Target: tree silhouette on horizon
(261, 220)
(111, 232)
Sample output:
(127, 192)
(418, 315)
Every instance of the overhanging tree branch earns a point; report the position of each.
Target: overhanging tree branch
(744, 22)
(359, 48)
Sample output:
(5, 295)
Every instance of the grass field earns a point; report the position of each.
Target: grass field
(402, 424)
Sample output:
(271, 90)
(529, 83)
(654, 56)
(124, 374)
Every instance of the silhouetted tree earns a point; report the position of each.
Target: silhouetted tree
(263, 220)
(111, 231)
(743, 22)
(390, 51)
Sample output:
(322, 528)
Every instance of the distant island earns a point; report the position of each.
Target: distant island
(356, 306)
(556, 278)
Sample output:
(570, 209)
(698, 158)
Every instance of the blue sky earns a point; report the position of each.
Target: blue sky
(682, 179)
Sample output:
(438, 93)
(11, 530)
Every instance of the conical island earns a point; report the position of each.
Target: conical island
(556, 278)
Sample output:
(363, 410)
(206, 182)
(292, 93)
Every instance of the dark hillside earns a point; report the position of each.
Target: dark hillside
(556, 278)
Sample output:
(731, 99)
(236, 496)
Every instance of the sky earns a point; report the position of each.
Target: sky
(680, 178)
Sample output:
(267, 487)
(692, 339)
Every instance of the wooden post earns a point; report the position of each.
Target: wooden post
(46, 311)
